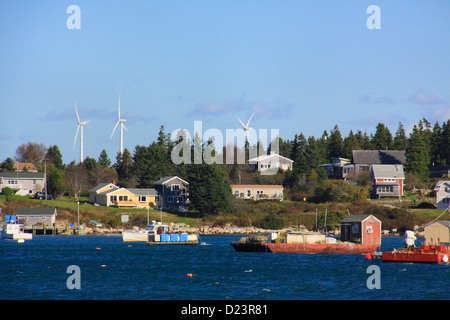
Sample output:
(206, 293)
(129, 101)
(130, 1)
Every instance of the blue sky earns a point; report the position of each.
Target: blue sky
(301, 66)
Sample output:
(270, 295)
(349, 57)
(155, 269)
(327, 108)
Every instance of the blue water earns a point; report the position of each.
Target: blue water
(112, 269)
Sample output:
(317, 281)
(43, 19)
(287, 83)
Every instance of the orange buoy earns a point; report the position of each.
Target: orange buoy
(190, 275)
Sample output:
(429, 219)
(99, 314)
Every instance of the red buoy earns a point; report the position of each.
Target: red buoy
(369, 256)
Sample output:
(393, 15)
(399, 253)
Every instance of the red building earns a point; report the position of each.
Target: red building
(361, 229)
(387, 180)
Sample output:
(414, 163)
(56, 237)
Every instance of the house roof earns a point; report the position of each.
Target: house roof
(379, 156)
(267, 156)
(143, 191)
(441, 182)
(23, 175)
(19, 166)
(100, 186)
(357, 218)
(445, 223)
(36, 211)
(166, 179)
(388, 171)
(115, 189)
(256, 186)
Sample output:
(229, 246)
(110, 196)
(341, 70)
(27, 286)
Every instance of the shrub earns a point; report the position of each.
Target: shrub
(7, 191)
(272, 222)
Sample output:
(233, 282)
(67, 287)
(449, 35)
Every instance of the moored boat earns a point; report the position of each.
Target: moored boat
(137, 235)
(436, 248)
(359, 234)
(305, 243)
(423, 254)
(13, 231)
(157, 233)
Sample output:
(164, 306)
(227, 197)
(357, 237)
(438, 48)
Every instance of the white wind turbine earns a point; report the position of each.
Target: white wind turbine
(80, 125)
(122, 126)
(246, 127)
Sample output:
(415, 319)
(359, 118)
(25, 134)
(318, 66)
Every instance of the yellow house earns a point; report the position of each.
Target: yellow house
(110, 195)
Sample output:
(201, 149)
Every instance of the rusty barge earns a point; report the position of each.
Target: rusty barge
(359, 234)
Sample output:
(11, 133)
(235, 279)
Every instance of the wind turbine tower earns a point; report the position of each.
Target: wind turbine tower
(246, 127)
(122, 126)
(80, 125)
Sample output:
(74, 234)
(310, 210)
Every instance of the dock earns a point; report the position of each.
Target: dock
(47, 230)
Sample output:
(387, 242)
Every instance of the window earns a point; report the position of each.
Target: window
(385, 189)
(142, 198)
(363, 168)
(34, 181)
(446, 200)
(175, 187)
(180, 199)
(113, 198)
(157, 198)
(236, 192)
(170, 199)
(369, 229)
(249, 193)
(355, 228)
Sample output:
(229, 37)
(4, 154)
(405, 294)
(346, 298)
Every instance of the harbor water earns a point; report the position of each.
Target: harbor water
(110, 269)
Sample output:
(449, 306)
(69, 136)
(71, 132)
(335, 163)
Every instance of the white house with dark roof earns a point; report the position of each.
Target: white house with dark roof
(270, 163)
(387, 179)
(442, 190)
(23, 183)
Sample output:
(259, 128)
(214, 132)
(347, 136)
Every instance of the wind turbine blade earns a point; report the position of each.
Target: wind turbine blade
(114, 130)
(119, 106)
(250, 119)
(124, 127)
(76, 110)
(241, 122)
(76, 135)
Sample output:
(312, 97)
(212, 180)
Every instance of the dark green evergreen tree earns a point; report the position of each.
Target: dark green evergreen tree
(103, 159)
(209, 190)
(54, 156)
(8, 165)
(382, 139)
(400, 141)
(350, 143)
(417, 159)
(335, 143)
(123, 165)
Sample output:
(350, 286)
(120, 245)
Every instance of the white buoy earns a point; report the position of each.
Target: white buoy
(445, 258)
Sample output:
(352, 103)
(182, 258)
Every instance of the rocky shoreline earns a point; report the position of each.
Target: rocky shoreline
(225, 230)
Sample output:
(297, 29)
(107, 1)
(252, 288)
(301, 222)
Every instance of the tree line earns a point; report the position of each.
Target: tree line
(210, 183)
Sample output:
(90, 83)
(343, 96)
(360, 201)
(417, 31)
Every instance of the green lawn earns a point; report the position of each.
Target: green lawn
(109, 216)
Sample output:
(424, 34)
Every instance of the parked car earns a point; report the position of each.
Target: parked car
(41, 195)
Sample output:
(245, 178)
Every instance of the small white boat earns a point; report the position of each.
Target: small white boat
(142, 235)
(13, 231)
(158, 233)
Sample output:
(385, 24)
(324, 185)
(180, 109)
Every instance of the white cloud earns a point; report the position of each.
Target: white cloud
(423, 98)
